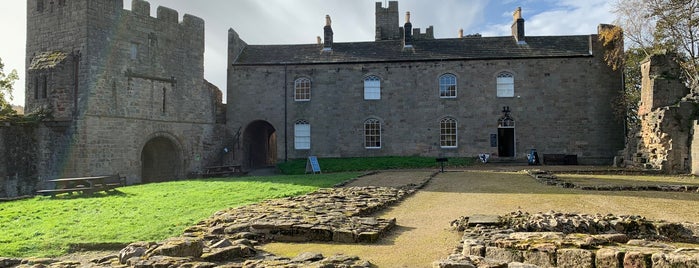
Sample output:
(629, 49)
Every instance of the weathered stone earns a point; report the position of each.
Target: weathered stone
(181, 247)
(575, 258)
(675, 260)
(9, 262)
(228, 253)
(307, 257)
(609, 257)
(481, 219)
(635, 259)
(343, 236)
(504, 254)
(452, 264)
(368, 237)
(521, 265)
(540, 258)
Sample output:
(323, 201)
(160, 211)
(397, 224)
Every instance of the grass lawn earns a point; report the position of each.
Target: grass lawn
(46, 227)
(636, 180)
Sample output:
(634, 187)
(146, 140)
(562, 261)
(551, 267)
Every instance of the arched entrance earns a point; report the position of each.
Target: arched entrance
(160, 160)
(260, 145)
(506, 134)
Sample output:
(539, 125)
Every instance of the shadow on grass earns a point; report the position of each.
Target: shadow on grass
(102, 194)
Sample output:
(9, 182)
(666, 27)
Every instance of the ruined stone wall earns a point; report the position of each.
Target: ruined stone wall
(665, 131)
(410, 108)
(18, 169)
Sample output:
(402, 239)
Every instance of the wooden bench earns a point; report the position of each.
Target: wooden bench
(85, 185)
(222, 171)
(560, 159)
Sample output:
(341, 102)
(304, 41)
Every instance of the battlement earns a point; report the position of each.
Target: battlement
(166, 14)
(392, 6)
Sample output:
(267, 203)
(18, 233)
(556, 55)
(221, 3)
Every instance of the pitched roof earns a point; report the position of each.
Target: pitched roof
(47, 60)
(437, 49)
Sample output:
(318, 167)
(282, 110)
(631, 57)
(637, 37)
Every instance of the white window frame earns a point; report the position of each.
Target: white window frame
(302, 135)
(448, 88)
(372, 88)
(372, 134)
(302, 83)
(444, 142)
(505, 85)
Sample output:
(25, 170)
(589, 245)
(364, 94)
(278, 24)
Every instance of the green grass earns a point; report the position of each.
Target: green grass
(298, 166)
(46, 227)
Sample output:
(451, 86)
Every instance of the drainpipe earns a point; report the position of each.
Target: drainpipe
(286, 92)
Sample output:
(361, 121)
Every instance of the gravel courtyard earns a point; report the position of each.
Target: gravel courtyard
(423, 234)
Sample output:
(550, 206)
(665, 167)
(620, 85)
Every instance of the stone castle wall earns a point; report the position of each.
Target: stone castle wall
(125, 77)
(410, 108)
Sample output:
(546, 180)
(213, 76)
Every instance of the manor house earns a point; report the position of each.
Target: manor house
(124, 93)
(408, 93)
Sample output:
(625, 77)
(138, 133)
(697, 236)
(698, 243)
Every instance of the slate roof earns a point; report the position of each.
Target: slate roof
(423, 50)
(47, 60)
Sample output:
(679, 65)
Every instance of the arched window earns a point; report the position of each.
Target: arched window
(302, 89)
(447, 133)
(372, 134)
(447, 86)
(302, 135)
(372, 88)
(506, 85)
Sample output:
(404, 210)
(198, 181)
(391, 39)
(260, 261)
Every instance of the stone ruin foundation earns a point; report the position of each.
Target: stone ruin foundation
(557, 239)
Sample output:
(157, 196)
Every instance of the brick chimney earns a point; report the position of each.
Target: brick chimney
(328, 45)
(518, 27)
(407, 32)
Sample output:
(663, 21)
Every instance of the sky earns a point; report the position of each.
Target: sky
(260, 22)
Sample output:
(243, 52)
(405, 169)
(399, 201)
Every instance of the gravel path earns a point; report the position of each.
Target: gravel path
(423, 234)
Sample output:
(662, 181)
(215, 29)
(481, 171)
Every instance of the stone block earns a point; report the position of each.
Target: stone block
(575, 258)
(635, 259)
(540, 258)
(504, 254)
(609, 257)
(181, 247)
(474, 250)
(343, 236)
(675, 260)
(368, 237)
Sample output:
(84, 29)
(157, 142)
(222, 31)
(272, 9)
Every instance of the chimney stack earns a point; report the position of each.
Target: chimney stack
(461, 33)
(518, 27)
(328, 45)
(319, 40)
(408, 32)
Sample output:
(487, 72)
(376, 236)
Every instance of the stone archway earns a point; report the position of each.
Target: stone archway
(260, 145)
(161, 160)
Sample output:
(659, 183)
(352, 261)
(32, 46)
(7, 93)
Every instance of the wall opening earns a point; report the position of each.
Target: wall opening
(506, 134)
(260, 145)
(160, 161)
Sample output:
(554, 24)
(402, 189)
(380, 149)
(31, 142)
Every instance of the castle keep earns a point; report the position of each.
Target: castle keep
(127, 95)
(126, 91)
(407, 93)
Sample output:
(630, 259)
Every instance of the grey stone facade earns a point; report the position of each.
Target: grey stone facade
(561, 103)
(126, 91)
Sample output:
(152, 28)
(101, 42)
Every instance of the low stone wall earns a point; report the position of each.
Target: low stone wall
(571, 240)
(548, 178)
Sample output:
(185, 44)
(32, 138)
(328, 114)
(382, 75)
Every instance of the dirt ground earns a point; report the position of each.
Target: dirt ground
(423, 234)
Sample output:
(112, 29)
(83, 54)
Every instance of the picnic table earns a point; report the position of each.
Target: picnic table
(87, 185)
(217, 171)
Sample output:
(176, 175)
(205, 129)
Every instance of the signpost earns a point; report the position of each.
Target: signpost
(312, 165)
